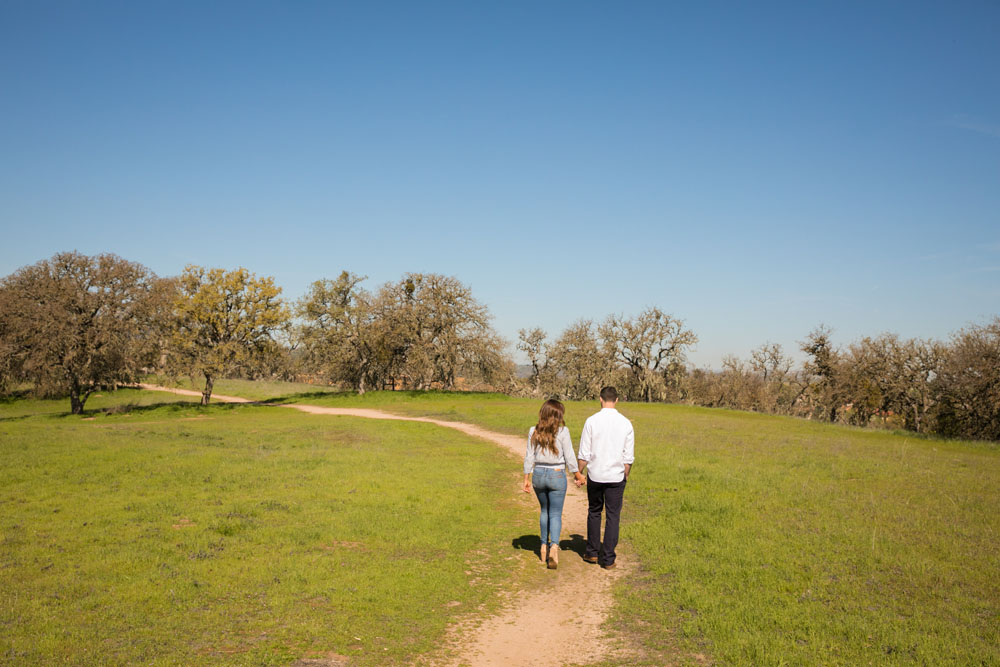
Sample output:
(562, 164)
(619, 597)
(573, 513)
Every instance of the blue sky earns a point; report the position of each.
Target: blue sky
(753, 168)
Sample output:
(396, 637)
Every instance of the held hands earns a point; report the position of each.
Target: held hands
(579, 479)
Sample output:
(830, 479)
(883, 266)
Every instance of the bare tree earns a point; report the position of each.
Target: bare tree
(822, 371)
(579, 364)
(224, 322)
(9, 353)
(532, 343)
(764, 383)
(864, 379)
(771, 362)
(648, 345)
(919, 366)
(773, 367)
(73, 323)
(968, 385)
(888, 377)
(741, 385)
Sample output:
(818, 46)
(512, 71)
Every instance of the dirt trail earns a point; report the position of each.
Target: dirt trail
(559, 624)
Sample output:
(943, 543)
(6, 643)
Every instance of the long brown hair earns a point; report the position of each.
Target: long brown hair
(550, 418)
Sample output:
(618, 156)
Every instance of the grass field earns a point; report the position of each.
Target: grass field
(257, 390)
(176, 534)
(19, 405)
(770, 540)
(762, 540)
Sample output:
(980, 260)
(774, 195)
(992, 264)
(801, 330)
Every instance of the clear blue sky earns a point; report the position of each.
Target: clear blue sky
(755, 169)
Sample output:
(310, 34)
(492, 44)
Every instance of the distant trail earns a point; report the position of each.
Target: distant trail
(188, 392)
(557, 625)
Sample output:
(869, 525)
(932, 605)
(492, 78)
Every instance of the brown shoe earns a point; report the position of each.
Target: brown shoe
(553, 561)
(590, 559)
(609, 567)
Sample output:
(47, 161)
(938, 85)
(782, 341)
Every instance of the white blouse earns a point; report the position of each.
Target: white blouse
(534, 455)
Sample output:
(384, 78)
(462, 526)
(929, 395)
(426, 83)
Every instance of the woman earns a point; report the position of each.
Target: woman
(548, 455)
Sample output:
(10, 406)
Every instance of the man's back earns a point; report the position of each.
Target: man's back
(607, 443)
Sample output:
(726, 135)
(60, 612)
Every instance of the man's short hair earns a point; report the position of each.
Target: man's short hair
(609, 394)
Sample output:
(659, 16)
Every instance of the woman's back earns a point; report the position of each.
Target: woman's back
(543, 456)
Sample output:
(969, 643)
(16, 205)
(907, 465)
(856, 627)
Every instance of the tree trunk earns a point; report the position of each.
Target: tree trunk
(76, 401)
(206, 393)
(77, 398)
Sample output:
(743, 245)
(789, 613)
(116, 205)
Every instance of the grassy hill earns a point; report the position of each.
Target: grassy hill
(771, 540)
(763, 540)
(176, 534)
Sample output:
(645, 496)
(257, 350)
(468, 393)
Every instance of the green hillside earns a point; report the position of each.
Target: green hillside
(771, 540)
(762, 540)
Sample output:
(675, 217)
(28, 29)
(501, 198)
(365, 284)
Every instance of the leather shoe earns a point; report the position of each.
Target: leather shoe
(609, 566)
(590, 559)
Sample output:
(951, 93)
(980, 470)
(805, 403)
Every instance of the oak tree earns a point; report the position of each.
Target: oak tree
(423, 331)
(74, 323)
(451, 330)
(650, 345)
(337, 330)
(579, 366)
(224, 322)
(968, 384)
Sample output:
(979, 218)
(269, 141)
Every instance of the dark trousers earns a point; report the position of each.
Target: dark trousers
(606, 496)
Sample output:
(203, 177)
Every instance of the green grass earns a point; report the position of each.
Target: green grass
(762, 540)
(774, 540)
(257, 390)
(19, 405)
(241, 534)
(771, 540)
(495, 411)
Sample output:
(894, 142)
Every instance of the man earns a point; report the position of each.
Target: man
(606, 453)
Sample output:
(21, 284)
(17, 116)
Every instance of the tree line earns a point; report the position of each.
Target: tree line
(73, 324)
(949, 388)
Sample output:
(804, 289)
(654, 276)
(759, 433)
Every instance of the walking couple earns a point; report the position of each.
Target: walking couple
(606, 453)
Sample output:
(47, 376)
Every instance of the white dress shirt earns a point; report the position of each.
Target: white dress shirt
(607, 444)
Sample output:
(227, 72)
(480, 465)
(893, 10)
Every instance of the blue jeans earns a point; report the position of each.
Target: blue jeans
(550, 488)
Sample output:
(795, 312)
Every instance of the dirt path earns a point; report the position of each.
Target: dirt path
(559, 624)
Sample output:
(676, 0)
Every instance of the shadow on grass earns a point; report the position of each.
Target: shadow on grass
(21, 417)
(531, 543)
(128, 408)
(575, 543)
(169, 407)
(291, 398)
(166, 406)
(407, 393)
(14, 396)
